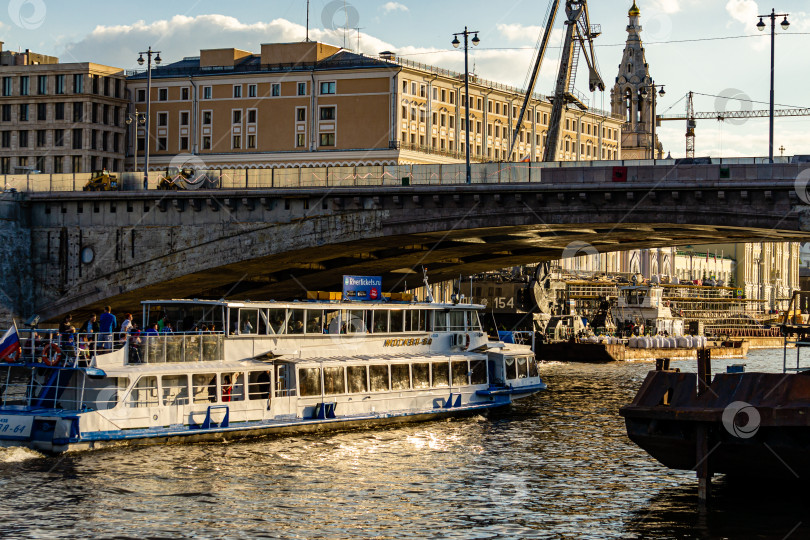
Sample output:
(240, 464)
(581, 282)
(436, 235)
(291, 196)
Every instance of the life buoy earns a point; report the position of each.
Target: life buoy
(51, 354)
(13, 356)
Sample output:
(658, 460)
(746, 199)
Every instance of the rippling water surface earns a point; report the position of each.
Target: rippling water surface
(558, 465)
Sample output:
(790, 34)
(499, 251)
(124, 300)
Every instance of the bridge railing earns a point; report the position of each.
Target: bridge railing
(718, 169)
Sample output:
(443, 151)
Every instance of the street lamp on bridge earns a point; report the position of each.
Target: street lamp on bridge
(761, 26)
(149, 52)
(475, 41)
(642, 94)
(140, 119)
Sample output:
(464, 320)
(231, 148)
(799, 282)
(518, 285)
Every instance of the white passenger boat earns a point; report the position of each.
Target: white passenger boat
(246, 369)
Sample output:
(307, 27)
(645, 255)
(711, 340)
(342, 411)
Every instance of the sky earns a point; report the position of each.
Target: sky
(711, 47)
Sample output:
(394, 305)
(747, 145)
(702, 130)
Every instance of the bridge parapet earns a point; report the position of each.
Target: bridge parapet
(602, 172)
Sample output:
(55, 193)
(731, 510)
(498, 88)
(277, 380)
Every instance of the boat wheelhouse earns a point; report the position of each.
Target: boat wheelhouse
(244, 369)
(644, 306)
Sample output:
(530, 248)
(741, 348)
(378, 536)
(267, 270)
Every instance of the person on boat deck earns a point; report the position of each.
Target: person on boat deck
(167, 328)
(247, 328)
(161, 322)
(298, 327)
(227, 388)
(263, 385)
(126, 324)
(152, 330)
(90, 327)
(106, 326)
(134, 337)
(66, 326)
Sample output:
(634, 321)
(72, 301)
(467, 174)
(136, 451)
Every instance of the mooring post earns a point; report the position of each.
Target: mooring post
(704, 368)
(702, 468)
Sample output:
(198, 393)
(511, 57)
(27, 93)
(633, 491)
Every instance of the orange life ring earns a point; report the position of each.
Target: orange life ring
(51, 359)
(13, 356)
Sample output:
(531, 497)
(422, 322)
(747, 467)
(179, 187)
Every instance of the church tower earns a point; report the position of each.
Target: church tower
(632, 96)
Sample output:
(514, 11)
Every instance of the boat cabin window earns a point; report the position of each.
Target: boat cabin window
(355, 323)
(379, 378)
(103, 394)
(309, 381)
(357, 379)
(189, 317)
(285, 380)
(204, 387)
(380, 322)
(333, 321)
(441, 374)
(456, 321)
(511, 368)
(259, 384)
(523, 367)
(397, 320)
(460, 370)
(474, 322)
(533, 372)
(635, 297)
(421, 375)
(415, 320)
(232, 387)
(175, 389)
(144, 393)
(439, 321)
(315, 323)
(369, 320)
(295, 321)
(400, 377)
(334, 380)
(276, 318)
(248, 321)
(478, 372)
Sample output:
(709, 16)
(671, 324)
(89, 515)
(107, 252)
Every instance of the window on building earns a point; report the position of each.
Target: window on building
(162, 144)
(207, 92)
(302, 89)
(237, 91)
(163, 94)
(42, 138)
(184, 93)
(24, 85)
(184, 116)
(105, 115)
(422, 90)
(42, 85)
(42, 111)
(251, 116)
(59, 111)
(300, 140)
(444, 95)
(328, 87)
(251, 90)
(116, 142)
(413, 88)
(163, 119)
(237, 141)
(76, 164)
(94, 111)
(94, 78)
(6, 113)
(183, 143)
(452, 122)
(413, 114)
(452, 98)
(237, 116)
(93, 137)
(22, 139)
(6, 139)
(206, 142)
(251, 141)
(76, 138)
(275, 90)
(327, 113)
(23, 112)
(206, 118)
(300, 114)
(58, 164)
(435, 93)
(141, 95)
(78, 84)
(7, 86)
(105, 140)
(327, 139)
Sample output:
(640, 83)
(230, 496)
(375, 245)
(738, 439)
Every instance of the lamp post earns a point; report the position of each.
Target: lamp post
(761, 26)
(475, 41)
(140, 119)
(149, 52)
(643, 94)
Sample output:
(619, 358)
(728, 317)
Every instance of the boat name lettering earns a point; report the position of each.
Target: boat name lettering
(407, 342)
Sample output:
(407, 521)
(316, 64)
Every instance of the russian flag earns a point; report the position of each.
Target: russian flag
(10, 342)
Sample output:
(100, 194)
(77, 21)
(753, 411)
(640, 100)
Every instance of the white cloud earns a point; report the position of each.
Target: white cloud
(519, 32)
(743, 11)
(667, 6)
(388, 7)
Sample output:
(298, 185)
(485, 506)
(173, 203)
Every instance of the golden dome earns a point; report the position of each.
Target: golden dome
(634, 11)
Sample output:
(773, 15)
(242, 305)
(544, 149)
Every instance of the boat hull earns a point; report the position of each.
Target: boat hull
(599, 353)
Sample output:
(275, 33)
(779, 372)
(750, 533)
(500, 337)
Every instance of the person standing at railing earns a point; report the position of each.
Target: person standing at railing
(90, 327)
(107, 325)
(134, 337)
(167, 328)
(126, 325)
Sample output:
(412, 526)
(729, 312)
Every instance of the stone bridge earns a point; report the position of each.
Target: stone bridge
(73, 251)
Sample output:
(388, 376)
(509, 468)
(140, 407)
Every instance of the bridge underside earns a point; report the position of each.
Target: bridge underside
(446, 255)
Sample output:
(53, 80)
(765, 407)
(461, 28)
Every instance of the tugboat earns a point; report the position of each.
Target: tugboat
(753, 425)
(246, 369)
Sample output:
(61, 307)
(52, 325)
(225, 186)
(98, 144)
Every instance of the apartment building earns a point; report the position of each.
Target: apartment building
(311, 104)
(61, 118)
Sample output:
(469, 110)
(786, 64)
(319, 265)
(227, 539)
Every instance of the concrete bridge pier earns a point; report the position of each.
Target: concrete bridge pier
(17, 292)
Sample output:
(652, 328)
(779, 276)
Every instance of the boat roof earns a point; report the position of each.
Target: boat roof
(331, 304)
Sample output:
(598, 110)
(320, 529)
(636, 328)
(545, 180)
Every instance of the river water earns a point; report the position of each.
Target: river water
(558, 465)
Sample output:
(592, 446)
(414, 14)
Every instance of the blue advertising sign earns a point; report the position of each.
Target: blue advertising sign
(368, 288)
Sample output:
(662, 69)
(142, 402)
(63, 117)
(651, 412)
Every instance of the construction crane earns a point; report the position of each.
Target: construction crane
(692, 117)
(579, 37)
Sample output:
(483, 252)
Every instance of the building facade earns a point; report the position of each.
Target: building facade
(61, 118)
(311, 104)
(633, 96)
